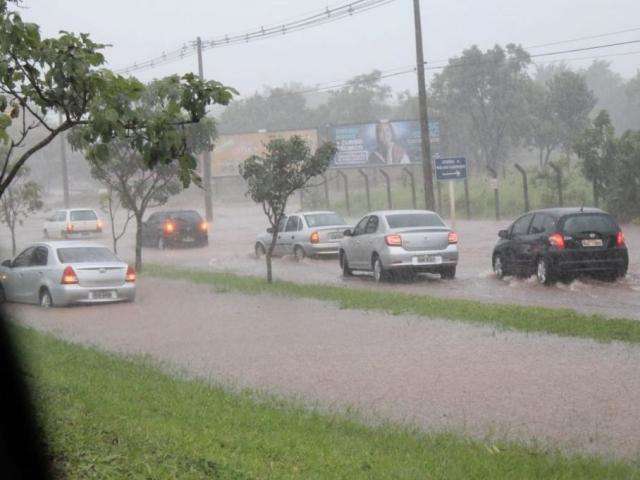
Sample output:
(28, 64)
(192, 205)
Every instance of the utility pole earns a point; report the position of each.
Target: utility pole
(65, 171)
(427, 170)
(206, 157)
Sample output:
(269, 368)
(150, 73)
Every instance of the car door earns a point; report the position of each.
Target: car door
(518, 244)
(32, 273)
(534, 242)
(355, 254)
(279, 249)
(367, 239)
(288, 237)
(14, 283)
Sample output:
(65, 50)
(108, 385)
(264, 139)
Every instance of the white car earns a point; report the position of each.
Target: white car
(72, 223)
(59, 273)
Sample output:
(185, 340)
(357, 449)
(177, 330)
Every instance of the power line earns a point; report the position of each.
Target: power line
(328, 15)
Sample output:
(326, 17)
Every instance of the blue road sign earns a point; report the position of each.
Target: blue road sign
(451, 168)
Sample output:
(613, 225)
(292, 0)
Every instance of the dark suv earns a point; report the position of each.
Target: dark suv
(174, 228)
(561, 243)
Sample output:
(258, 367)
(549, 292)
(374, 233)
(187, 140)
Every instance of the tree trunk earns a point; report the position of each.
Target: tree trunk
(547, 155)
(138, 242)
(272, 246)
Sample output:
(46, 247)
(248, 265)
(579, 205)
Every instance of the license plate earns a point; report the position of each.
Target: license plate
(335, 236)
(426, 259)
(188, 239)
(592, 242)
(102, 294)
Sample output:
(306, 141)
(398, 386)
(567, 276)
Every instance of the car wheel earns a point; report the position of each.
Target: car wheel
(498, 267)
(45, 299)
(260, 251)
(448, 273)
(543, 273)
(298, 253)
(344, 263)
(379, 273)
(162, 245)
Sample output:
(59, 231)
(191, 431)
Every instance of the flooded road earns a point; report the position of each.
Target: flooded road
(235, 226)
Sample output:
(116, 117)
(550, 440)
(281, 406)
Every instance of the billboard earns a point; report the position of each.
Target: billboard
(231, 150)
(382, 143)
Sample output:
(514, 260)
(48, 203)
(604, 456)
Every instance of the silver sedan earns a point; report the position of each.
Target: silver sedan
(61, 273)
(409, 241)
(305, 234)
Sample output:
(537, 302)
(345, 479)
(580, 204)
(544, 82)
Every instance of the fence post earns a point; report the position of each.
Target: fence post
(496, 193)
(346, 190)
(388, 182)
(326, 191)
(558, 171)
(525, 186)
(413, 187)
(366, 188)
(467, 203)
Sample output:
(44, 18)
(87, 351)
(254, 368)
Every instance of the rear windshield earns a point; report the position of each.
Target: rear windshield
(589, 222)
(406, 220)
(80, 215)
(187, 216)
(324, 219)
(86, 255)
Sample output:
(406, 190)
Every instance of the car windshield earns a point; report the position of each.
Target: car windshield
(80, 215)
(408, 220)
(187, 216)
(86, 255)
(589, 222)
(324, 219)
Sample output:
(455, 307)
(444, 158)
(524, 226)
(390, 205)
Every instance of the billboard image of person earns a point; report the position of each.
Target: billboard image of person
(388, 151)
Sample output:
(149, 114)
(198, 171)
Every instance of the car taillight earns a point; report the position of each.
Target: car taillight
(315, 237)
(557, 240)
(69, 276)
(69, 227)
(453, 237)
(99, 226)
(204, 226)
(393, 240)
(620, 239)
(169, 227)
(131, 274)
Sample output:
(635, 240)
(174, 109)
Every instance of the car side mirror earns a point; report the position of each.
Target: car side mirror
(7, 263)
(503, 234)
(347, 233)
(270, 230)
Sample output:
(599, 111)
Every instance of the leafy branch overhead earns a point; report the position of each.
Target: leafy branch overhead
(65, 74)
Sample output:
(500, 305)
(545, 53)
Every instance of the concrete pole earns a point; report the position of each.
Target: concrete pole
(206, 157)
(64, 168)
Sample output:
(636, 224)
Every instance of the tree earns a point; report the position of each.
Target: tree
(596, 147)
(624, 193)
(483, 94)
(144, 171)
(287, 166)
(65, 74)
(20, 200)
(111, 204)
(558, 111)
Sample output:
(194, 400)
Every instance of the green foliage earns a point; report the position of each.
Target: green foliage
(108, 417)
(623, 196)
(21, 199)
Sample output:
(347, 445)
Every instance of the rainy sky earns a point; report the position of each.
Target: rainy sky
(381, 38)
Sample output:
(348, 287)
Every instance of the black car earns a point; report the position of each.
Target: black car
(562, 243)
(175, 228)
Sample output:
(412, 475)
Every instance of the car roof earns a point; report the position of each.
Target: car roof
(391, 212)
(313, 212)
(55, 244)
(562, 211)
(172, 212)
(72, 209)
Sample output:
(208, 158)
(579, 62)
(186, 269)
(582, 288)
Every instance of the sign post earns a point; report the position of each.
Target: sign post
(449, 170)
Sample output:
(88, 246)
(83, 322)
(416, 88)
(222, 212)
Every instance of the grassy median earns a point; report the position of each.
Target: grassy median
(562, 322)
(107, 417)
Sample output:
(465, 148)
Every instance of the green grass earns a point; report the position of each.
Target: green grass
(562, 322)
(107, 417)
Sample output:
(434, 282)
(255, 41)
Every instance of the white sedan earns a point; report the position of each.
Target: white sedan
(59, 273)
